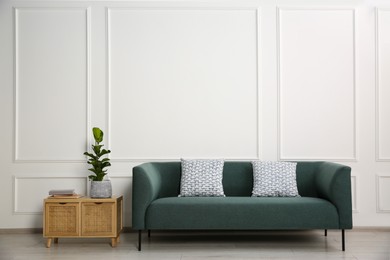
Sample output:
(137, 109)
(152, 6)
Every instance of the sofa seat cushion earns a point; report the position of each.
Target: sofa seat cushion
(241, 213)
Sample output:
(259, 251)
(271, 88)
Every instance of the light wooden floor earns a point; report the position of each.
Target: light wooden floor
(360, 244)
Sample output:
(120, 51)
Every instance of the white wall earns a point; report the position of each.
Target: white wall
(263, 79)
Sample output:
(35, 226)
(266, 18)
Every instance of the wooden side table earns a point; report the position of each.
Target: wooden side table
(82, 217)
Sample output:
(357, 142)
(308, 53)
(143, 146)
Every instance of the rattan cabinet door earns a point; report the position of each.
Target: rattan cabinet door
(62, 219)
(98, 219)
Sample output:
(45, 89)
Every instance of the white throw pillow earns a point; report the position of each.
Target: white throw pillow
(201, 178)
(274, 179)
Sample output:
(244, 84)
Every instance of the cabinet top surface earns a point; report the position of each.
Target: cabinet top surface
(84, 199)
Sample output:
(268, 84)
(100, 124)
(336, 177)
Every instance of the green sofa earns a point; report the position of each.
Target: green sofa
(325, 201)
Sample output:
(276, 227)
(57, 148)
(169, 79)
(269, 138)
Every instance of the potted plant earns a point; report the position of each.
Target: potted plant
(100, 186)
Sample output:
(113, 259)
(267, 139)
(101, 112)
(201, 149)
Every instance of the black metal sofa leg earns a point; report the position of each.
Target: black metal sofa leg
(342, 238)
(148, 232)
(139, 240)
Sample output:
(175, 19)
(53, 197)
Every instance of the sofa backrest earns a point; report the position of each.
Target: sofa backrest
(237, 178)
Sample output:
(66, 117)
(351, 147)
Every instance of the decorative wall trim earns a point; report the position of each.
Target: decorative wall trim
(280, 155)
(16, 210)
(16, 82)
(259, 87)
(165, 8)
(378, 157)
(120, 177)
(176, 159)
(379, 178)
(355, 193)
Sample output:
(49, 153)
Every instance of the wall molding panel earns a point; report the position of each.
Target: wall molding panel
(26, 202)
(382, 140)
(383, 193)
(302, 122)
(42, 185)
(176, 120)
(59, 110)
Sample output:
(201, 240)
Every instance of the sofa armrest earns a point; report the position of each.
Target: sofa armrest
(146, 188)
(333, 183)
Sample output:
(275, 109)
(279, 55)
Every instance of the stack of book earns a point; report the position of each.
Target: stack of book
(64, 194)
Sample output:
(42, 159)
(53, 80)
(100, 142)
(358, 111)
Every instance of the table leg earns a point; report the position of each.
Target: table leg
(56, 240)
(48, 243)
(113, 241)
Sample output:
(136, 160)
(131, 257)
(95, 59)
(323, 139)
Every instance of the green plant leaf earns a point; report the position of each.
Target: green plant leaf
(97, 134)
(92, 177)
(96, 149)
(90, 155)
(92, 170)
(105, 164)
(104, 151)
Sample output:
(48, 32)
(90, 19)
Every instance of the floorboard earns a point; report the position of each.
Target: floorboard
(360, 244)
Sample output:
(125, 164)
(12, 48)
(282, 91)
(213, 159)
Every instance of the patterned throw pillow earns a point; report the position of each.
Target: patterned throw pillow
(202, 178)
(274, 179)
